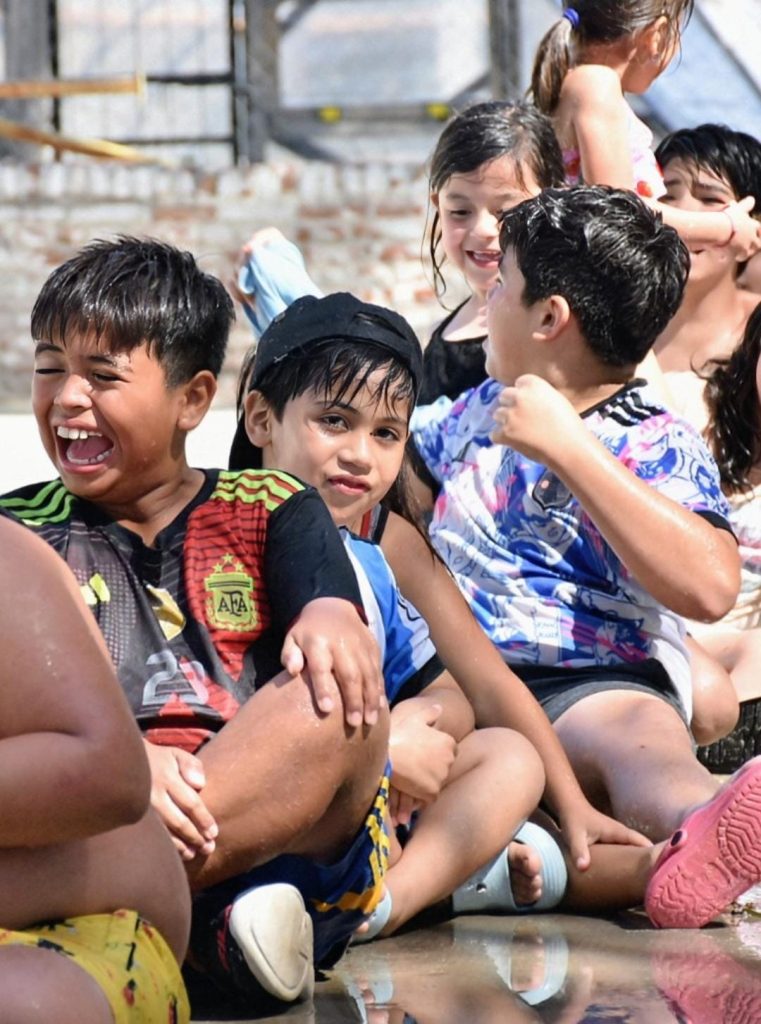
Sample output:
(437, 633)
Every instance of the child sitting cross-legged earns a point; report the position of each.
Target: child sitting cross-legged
(328, 394)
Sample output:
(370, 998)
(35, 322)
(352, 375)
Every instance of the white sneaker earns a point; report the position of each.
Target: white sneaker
(271, 926)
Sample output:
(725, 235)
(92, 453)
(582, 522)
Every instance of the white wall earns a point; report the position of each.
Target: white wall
(23, 459)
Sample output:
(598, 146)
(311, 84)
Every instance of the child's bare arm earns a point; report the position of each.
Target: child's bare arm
(72, 763)
(316, 605)
(498, 696)
(684, 561)
(597, 113)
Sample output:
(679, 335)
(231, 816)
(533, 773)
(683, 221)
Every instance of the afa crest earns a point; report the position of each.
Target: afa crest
(230, 600)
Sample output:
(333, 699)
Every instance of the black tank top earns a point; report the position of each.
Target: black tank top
(451, 367)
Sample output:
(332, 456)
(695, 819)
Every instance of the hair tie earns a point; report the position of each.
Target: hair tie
(572, 15)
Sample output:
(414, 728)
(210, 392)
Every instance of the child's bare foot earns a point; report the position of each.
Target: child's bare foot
(525, 866)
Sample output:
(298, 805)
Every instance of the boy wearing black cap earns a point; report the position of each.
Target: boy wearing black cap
(329, 391)
(203, 583)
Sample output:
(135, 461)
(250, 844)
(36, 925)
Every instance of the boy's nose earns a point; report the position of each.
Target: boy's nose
(74, 392)
(357, 452)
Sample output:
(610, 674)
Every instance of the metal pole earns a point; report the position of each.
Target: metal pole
(505, 48)
(27, 55)
(262, 40)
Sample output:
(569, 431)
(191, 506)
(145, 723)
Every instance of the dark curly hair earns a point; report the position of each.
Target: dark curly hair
(734, 406)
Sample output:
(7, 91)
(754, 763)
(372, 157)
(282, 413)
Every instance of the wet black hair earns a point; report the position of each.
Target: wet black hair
(619, 267)
(733, 156)
(734, 424)
(484, 132)
(595, 21)
(133, 291)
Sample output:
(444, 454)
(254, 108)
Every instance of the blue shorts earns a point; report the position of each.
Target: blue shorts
(338, 896)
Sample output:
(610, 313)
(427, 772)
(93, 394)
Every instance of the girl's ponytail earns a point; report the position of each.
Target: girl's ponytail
(551, 64)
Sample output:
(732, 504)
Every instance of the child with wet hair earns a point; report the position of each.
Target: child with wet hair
(583, 521)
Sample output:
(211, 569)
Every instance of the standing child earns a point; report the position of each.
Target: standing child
(594, 54)
(589, 520)
(489, 157)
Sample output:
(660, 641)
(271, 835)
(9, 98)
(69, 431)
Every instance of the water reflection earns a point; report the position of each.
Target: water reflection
(560, 971)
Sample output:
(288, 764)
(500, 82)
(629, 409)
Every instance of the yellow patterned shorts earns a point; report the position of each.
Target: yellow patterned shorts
(125, 956)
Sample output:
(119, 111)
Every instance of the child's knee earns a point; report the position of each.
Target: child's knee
(507, 756)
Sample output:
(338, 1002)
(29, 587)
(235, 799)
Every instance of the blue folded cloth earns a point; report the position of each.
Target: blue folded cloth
(273, 276)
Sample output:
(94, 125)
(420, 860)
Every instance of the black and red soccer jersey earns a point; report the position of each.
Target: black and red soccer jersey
(195, 622)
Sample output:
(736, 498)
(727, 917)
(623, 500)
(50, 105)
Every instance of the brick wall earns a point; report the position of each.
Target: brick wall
(360, 229)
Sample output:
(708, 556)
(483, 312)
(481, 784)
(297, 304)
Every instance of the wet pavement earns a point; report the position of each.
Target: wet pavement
(553, 968)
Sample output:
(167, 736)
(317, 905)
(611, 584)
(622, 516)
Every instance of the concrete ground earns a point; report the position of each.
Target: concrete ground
(538, 968)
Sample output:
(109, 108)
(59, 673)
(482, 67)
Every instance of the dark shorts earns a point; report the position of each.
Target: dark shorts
(558, 689)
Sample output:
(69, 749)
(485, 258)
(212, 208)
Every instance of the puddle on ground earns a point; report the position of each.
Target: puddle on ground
(552, 968)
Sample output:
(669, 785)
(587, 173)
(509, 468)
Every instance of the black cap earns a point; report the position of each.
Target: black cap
(341, 315)
(309, 320)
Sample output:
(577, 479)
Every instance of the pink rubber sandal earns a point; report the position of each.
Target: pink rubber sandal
(713, 858)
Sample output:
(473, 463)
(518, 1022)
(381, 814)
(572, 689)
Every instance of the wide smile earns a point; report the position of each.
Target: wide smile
(82, 450)
(486, 259)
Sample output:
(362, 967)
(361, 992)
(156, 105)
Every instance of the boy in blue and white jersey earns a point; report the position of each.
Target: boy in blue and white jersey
(329, 392)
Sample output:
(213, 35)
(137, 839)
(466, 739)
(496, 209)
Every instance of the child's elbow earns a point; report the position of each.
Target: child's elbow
(123, 789)
(715, 600)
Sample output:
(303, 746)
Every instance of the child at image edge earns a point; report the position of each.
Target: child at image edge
(95, 906)
(582, 521)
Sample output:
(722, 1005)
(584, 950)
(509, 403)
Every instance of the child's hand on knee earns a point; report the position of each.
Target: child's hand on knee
(333, 643)
(421, 755)
(177, 777)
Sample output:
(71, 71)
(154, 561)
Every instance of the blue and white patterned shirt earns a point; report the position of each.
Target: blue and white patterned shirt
(540, 578)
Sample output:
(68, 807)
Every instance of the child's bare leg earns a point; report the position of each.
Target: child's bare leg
(739, 651)
(63, 991)
(285, 778)
(134, 868)
(637, 748)
(496, 781)
(715, 707)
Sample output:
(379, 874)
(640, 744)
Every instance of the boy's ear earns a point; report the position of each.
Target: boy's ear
(258, 418)
(198, 394)
(554, 316)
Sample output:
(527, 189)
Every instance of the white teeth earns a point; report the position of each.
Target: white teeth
(89, 462)
(73, 434)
